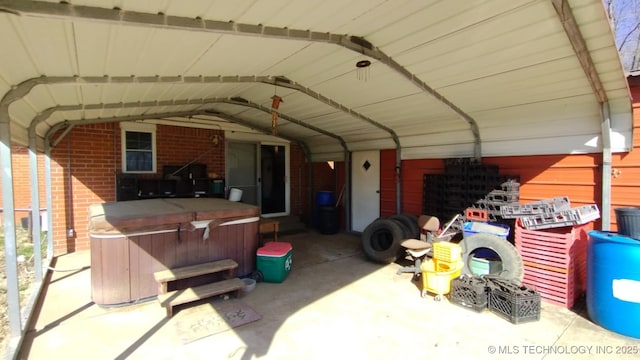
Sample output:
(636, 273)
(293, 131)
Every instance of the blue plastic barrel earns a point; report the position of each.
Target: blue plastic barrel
(613, 282)
(323, 198)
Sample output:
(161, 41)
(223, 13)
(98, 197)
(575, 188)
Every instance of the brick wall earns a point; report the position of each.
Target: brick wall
(85, 164)
(83, 173)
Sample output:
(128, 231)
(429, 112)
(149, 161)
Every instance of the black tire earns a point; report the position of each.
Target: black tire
(410, 222)
(512, 266)
(406, 233)
(381, 241)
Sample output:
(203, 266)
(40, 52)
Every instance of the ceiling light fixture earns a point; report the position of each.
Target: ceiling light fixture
(362, 69)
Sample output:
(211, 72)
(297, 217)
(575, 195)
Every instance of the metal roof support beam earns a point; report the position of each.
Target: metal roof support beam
(294, 86)
(288, 118)
(356, 44)
(571, 28)
(68, 125)
(43, 116)
(25, 87)
(159, 20)
(336, 105)
(362, 46)
(62, 125)
(118, 16)
(264, 130)
(568, 21)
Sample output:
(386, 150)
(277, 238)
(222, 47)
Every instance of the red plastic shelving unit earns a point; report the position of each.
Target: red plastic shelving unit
(554, 261)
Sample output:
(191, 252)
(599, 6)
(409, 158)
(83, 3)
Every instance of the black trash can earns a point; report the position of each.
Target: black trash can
(628, 219)
(328, 219)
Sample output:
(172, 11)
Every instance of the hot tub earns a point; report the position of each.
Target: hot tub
(130, 240)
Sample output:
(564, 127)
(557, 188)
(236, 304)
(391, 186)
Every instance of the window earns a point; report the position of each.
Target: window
(138, 148)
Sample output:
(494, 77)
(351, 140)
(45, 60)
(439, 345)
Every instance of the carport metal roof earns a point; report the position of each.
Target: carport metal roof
(447, 78)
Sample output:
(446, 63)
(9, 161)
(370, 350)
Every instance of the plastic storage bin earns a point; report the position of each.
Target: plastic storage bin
(472, 228)
(628, 220)
(469, 292)
(274, 261)
(482, 266)
(513, 302)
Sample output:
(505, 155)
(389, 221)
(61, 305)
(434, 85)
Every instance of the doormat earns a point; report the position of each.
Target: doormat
(211, 318)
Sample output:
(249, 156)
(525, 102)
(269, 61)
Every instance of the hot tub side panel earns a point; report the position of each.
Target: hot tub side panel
(110, 279)
(123, 262)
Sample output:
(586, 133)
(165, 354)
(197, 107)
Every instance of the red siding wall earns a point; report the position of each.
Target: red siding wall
(577, 176)
(626, 167)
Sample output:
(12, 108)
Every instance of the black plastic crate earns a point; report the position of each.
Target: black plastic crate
(469, 292)
(513, 302)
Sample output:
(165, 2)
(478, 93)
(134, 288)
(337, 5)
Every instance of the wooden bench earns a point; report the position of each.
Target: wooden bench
(165, 276)
(269, 225)
(183, 296)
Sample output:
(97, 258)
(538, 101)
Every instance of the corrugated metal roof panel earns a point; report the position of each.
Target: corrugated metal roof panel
(502, 64)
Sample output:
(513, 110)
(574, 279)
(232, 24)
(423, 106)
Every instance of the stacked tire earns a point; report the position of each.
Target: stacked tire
(381, 239)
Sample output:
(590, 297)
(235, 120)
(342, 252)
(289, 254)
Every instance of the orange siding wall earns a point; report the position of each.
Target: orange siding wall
(541, 177)
(577, 176)
(626, 167)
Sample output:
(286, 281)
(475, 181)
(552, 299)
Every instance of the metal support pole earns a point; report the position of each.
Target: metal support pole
(35, 209)
(347, 191)
(606, 167)
(10, 247)
(398, 181)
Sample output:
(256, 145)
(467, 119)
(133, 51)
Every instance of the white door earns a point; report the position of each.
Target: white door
(365, 193)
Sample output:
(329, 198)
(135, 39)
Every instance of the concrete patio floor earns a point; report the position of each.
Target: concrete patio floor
(333, 305)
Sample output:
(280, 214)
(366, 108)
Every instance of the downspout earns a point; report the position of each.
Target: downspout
(606, 166)
(348, 217)
(49, 194)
